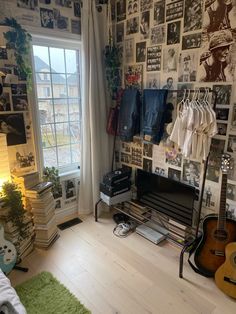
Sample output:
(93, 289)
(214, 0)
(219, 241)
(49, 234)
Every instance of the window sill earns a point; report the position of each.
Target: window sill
(69, 174)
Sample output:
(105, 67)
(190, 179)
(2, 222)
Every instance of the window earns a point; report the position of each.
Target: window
(57, 77)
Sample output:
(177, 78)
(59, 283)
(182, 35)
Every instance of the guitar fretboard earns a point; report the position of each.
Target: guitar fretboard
(222, 211)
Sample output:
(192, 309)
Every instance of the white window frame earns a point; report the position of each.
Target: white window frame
(57, 43)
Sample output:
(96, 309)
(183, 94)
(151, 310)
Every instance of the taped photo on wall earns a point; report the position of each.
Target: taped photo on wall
(134, 76)
(223, 94)
(174, 174)
(170, 59)
(191, 41)
(120, 32)
(159, 12)
(146, 5)
(153, 80)
(132, 7)
(141, 52)
(188, 65)
(154, 58)
(174, 9)
(173, 33)
(191, 172)
(13, 126)
(145, 25)
(158, 35)
(120, 10)
(129, 50)
(193, 15)
(5, 102)
(132, 26)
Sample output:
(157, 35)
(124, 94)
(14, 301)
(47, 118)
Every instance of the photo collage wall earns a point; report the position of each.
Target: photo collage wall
(181, 44)
(58, 15)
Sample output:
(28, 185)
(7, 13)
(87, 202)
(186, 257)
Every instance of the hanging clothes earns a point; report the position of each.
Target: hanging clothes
(194, 127)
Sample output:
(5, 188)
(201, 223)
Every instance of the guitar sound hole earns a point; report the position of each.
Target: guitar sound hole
(220, 235)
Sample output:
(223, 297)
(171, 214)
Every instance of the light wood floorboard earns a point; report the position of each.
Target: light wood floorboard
(131, 275)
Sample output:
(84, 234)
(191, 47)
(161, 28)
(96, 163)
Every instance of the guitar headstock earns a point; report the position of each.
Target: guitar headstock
(226, 163)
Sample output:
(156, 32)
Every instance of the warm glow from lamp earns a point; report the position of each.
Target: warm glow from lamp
(4, 162)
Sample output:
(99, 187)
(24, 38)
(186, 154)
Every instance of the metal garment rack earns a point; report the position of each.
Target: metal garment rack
(185, 246)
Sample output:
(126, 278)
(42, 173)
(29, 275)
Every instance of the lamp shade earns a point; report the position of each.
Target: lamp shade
(4, 161)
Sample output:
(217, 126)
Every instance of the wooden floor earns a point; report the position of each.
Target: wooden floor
(128, 276)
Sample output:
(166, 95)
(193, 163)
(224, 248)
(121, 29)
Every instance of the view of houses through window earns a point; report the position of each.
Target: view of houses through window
(58, 97)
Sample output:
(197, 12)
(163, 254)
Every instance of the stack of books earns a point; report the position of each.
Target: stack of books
(43, 210)
(23, 245)
(138, 211)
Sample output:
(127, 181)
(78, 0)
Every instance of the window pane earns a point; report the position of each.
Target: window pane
(64, 157)
(44, 89)
(59, 86)
(41, 58)
(63, 135)
(74, 109)
(48, 135)
(45, 111)
(61, 110)
(50, 157)
(75, 149)
(71, 61)
(75, 132)
(57, 60)
(73, 85)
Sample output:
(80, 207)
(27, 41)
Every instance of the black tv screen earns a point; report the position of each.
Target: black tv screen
(170, 197)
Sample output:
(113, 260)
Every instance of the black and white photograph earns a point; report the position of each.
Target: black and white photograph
(76, 27)
(132, 26)
(125, 158)
(169, 84)
(153, 80)
(20, 103)
(173, 33)
(47, 19)
(137, 156)
(170, 59)
(209, 197)
(146, 5)
(222, 128)
(24, 160)
(154, 58)
(77, 9)
(231, 175)
(175, 160)
(192, 41)
(231, 192)
(191, 172)
(174, 9)
(160, 171)
(147, 165)
(129, 50)
(60, 22)
(14, 127)
(120, 32)
(147, 150)
(27, 4)
(5, 103)
(222, 114)
(70, 188)
(120, 10)
(3, 53)
(216, 63)
(132, 7)
(174, 174)
(223, 94)
(217, 16)
(217, 148)
(188, 64)
(145, 25)
(159, 12)
(231, 210)
(231, 148)
(64, 3)
(18, 89)
(141, 52)
(213, 173)
(233, 119)
(158, 35)
(193, 15)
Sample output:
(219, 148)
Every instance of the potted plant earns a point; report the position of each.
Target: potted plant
(51, 174)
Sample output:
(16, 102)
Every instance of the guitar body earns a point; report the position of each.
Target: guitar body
(8, 253)
(210, 253)
(225, 276)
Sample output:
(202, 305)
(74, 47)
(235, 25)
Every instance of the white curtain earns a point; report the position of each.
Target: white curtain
(95, 155)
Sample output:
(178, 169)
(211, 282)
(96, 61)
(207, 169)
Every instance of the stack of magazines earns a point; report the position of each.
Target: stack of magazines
(43, 210)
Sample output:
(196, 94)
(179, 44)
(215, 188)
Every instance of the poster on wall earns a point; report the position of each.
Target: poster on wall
(159, 12)
(223, 94)
(134, 76)
(120, 32)
(132, 26)
(20, 103)
(153, 80)
(147, 165)
(170, 59)
(233, 119)
(64, 3)
(154, 58)
(77, 9)
(132, 7)
(76, 27)
(174, 174)
(173, 33)
(231, 209)
(5, 102)
(158, 35)
(60, 22)
(30, 5)
(174, 9)
(192, 41)
(188, 64)
(146, 5)
(210, 196)
(47, 18)
(129, 50)
(141, 52)
(145, 25)
(193, 15)
(14, 127)
(231, 192)
(120, 10)
(191, 172)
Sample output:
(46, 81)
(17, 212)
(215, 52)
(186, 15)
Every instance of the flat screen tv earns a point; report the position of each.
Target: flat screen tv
(169, 197)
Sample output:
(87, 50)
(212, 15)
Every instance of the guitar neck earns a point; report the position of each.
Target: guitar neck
(222, 210)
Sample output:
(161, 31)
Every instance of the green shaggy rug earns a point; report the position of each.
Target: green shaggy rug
(43, 294)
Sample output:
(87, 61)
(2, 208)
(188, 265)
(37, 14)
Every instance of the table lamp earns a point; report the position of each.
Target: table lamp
(4, 162)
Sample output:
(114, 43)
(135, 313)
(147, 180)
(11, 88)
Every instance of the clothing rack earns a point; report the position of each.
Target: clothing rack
(188, 245)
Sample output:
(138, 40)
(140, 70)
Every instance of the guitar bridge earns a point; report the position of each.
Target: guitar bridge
(217, 253)
(227, 279)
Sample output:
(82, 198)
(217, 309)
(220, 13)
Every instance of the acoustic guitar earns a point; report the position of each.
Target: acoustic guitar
(218, 231)
(225, 276)
(8, 253)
